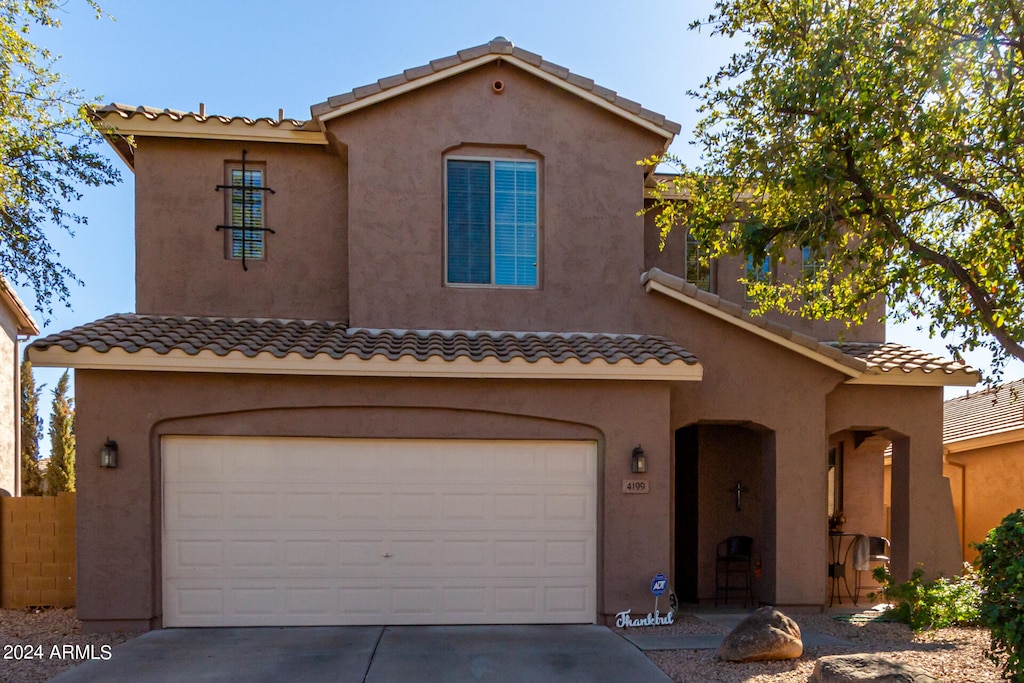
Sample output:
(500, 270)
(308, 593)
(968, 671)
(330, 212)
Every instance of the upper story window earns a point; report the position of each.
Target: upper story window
(757, 271)
(491, 222)
(698, 267)
(812, 263)
(246, 216)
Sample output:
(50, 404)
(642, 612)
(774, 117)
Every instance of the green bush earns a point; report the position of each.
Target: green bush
(1002, 579)
(933, 604)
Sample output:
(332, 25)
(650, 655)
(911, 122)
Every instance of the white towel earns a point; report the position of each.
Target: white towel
(861, 553)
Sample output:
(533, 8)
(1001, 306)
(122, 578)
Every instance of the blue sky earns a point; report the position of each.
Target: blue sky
(253, 58)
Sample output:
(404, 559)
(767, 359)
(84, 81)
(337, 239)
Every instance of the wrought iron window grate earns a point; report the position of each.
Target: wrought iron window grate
(247, 212)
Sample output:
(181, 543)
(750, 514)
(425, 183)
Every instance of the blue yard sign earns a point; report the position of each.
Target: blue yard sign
(659, 584)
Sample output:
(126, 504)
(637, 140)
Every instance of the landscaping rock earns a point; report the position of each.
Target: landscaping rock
(764, 635)
(848, 668)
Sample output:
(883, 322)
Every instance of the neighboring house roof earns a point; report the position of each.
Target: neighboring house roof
(196, 344)
(502, 49)
(862, 362)
(26, 325)
(984, 418)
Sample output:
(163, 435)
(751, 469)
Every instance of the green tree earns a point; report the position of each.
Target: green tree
(883, 137)
(60, 475)
(46, 153)
(31, 432)
(1002, 579)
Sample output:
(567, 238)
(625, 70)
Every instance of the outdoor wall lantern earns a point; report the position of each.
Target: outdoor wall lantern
(639, 461)
(108, 454)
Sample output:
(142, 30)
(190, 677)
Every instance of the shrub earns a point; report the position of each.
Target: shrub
(933, 604)
(1002, 578)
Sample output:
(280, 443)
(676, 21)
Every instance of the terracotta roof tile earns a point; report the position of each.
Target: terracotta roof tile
(984, 412)
(251, 337)
(498, 46)
(875, 357)
(126, 112)
(890, 357)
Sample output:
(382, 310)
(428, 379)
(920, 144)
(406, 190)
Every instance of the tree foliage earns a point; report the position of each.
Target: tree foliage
(31, 432)
(60, 474)
(886, 139)
(46, 153)
(1002, 580)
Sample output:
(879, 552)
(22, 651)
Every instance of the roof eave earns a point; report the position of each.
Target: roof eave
(986, 440)
(917, 378)
(26, 325)
(652, 284)
(147, 360)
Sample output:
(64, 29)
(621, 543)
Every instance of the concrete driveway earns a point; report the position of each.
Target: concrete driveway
(371, 654)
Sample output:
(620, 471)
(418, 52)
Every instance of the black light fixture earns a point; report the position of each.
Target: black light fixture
(639, 461)
(108, 454)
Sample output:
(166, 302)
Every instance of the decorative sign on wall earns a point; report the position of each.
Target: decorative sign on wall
(659, 584)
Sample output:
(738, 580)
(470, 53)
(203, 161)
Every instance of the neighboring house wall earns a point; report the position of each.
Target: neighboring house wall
(991, 483)
(10, 405)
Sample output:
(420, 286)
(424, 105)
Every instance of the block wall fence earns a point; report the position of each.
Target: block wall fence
(37, 551)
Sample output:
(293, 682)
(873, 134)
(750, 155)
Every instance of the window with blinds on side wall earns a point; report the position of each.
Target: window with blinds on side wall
(247, 215)
(491, 222)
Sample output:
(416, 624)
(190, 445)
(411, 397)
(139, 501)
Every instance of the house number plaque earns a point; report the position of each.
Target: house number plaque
(635, 486)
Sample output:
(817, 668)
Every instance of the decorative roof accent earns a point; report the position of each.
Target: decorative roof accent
(861, 362)
(196, 344)
(499, 48)
(990, 413)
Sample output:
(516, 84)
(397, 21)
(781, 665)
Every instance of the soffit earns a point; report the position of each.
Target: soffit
(263, 346)
(861, 362)
(26, 324)
(498, 49)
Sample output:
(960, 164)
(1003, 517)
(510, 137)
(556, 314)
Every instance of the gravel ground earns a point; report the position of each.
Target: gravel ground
(955, 655)
(28, 639)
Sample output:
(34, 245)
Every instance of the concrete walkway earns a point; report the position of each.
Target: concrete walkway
(367, 654)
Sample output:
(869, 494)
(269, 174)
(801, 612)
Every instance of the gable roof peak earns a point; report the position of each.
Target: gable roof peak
(498, 49)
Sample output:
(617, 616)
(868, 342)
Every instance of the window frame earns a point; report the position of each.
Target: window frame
(229, 204)
(768, 270)
(687, 242)
(537, 247)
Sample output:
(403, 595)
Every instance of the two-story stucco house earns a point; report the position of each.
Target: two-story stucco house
(397, 364)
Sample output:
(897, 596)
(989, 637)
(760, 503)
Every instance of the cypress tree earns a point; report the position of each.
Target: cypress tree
(31, 432)
(60, 475)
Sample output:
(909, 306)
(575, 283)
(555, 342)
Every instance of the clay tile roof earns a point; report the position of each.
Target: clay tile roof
(193, 335)
(868, 361)
(497, 46)
(889, 357)
(127, 112)
(981, 413)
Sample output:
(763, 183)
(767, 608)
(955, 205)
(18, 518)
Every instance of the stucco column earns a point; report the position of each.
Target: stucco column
(797, 565)
(923, 522)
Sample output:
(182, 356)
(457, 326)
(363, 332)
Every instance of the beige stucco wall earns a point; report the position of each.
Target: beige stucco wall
(119, 560)
(923, 523)
(10, 401)
(992, 487)
(180, 264)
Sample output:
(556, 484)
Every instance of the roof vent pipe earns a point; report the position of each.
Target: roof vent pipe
(202, 110)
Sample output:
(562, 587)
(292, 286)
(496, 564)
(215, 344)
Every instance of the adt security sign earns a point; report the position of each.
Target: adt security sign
(659, 584)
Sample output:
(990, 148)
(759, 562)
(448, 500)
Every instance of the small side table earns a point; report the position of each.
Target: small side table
(839, 556)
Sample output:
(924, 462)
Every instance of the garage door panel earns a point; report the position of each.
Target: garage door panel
(378, 532)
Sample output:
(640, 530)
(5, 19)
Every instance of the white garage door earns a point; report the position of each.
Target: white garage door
(288, 531)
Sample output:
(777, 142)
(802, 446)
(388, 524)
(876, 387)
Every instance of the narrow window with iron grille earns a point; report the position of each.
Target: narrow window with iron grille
(246, 212)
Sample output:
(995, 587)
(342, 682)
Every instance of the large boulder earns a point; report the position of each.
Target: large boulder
(849, 668)
(765, 634)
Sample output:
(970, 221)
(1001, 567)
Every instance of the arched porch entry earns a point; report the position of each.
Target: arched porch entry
(722, 471)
